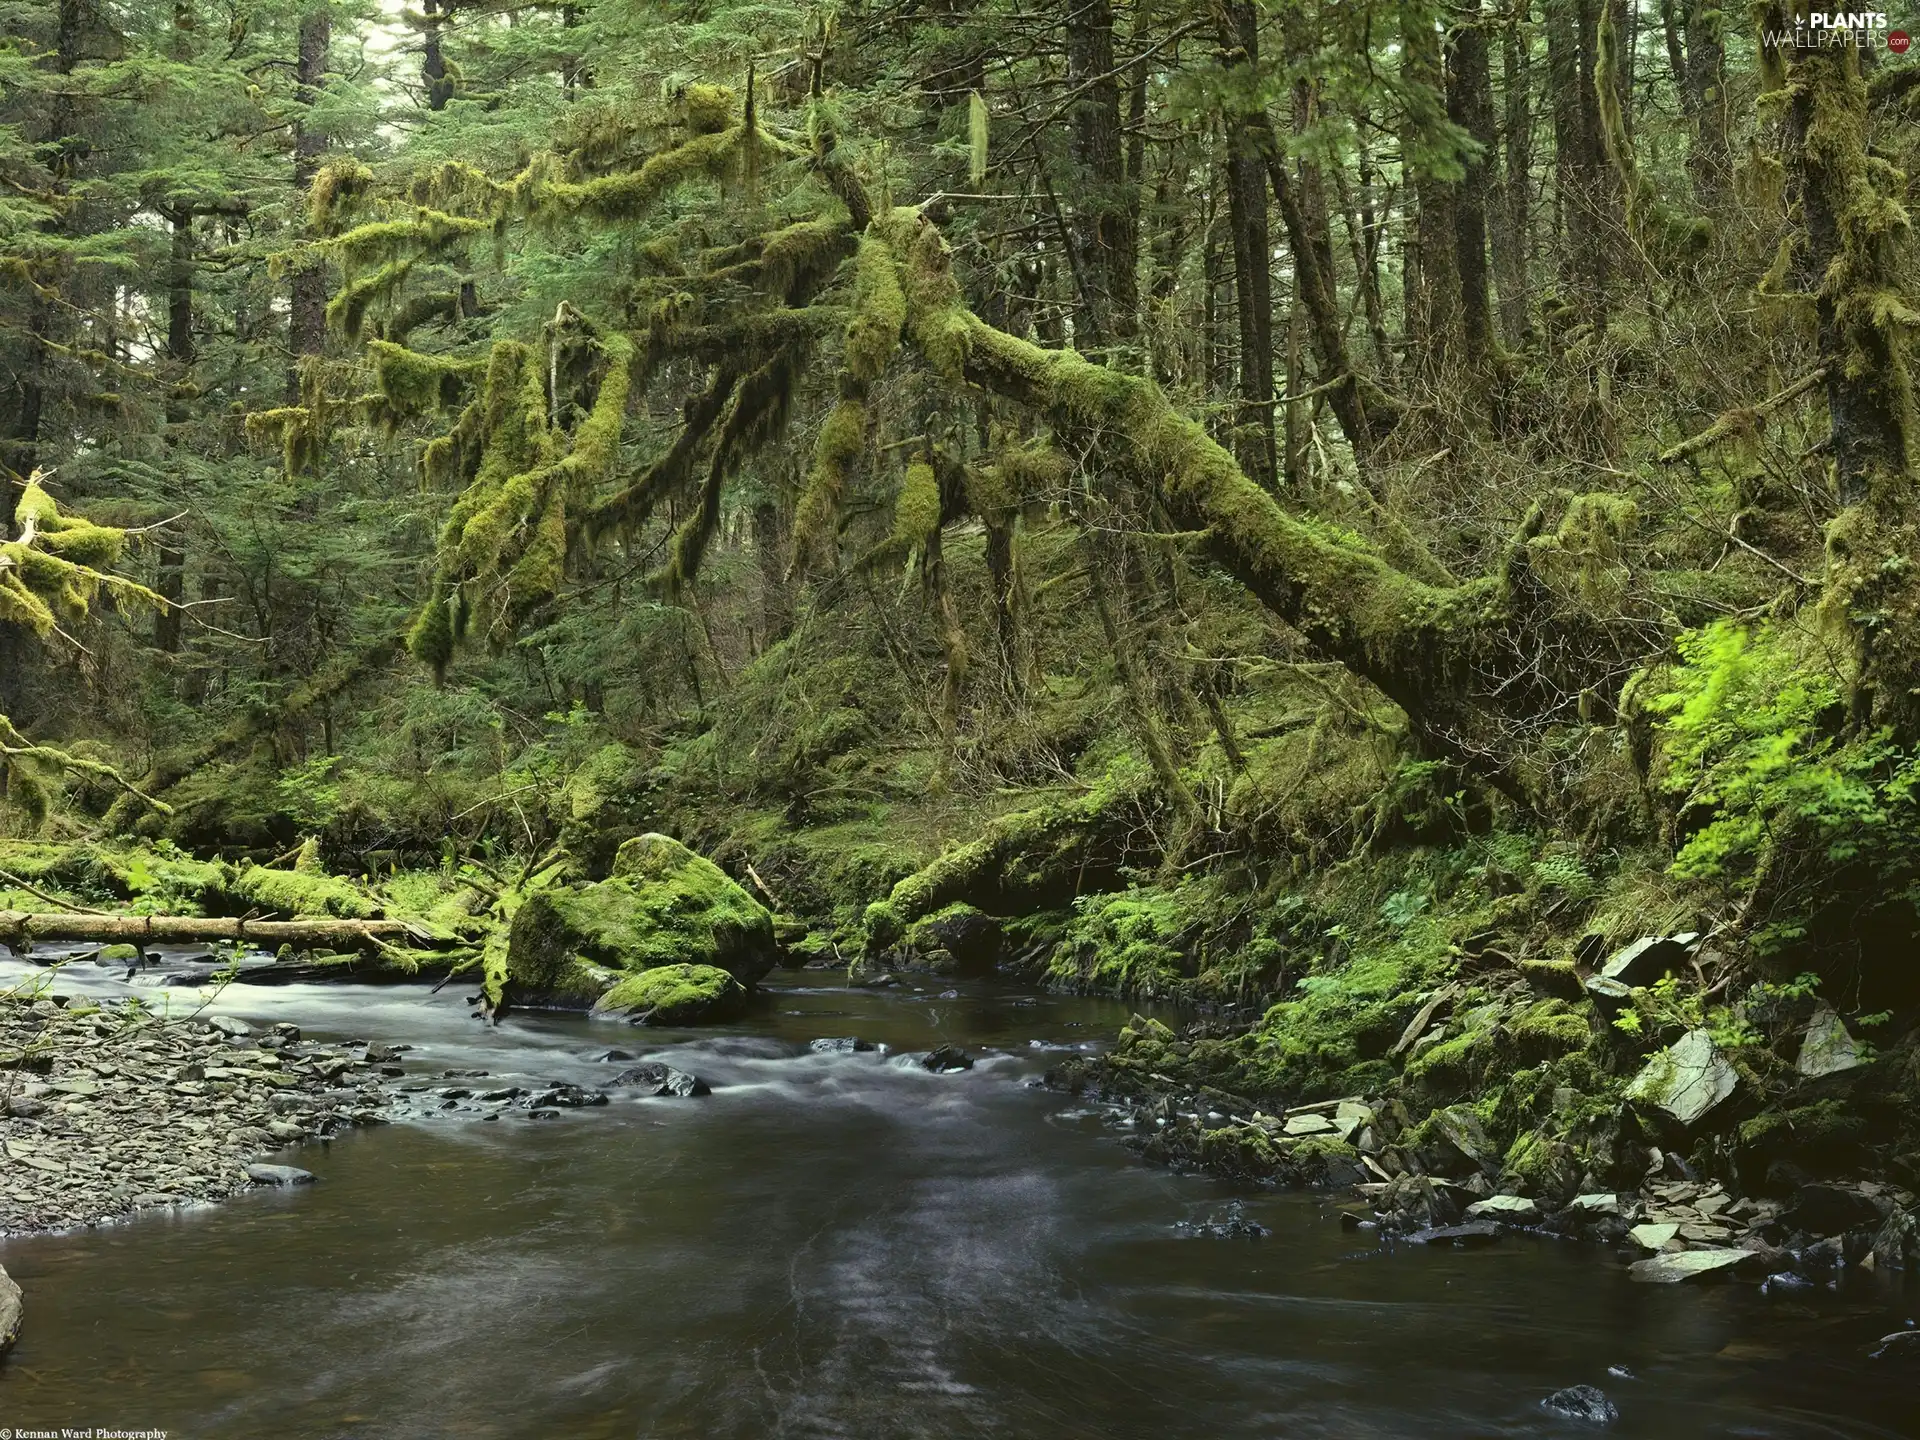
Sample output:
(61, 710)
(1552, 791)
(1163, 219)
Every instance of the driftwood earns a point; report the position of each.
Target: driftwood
(20, 927)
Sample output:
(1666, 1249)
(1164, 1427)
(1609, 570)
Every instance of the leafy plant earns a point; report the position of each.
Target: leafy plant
(1753, 752)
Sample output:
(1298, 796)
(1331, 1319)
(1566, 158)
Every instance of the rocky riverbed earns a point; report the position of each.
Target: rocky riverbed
(104, 1111)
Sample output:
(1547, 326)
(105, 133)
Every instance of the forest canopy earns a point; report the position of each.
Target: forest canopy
(1236, 438)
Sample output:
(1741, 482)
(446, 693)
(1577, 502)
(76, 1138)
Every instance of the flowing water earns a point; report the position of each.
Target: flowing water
(843, 1245)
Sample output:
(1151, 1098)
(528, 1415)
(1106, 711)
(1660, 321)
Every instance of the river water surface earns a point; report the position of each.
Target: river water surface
(842, 1245)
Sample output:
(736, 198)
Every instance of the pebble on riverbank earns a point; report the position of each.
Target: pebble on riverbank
(104, 1112)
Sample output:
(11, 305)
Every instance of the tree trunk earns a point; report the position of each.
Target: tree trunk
(170, 577)
(1470, 106)
(1580, 163)
(307, 324)
(1436, 322)
(20, 928)
(1103, 213)
(1846, 255)
(433, 64)
(1508, 217)
(1710, 159)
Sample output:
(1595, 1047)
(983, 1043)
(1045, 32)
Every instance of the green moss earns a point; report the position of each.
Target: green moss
(676, 995)
(662, 905)
(879, 311)
(1129, 944)
(1245, 1152)
(837, 448)
(412, 383)
(295, 894)
(1547, 1030)
(1028, 859)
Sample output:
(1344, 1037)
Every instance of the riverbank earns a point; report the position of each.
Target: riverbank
(1441, 1179)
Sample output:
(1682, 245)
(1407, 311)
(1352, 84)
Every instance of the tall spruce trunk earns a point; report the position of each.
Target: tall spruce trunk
(1582, 174)
(1104, 212)
(171, 569)
(307, 324)
(1507, 218)
(1470, 106)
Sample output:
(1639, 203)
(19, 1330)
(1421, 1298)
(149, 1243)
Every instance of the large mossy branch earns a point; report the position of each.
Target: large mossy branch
(1415, 640)
(503, 548)
(53, 570)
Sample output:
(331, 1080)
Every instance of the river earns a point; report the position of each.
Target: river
(843, 1245)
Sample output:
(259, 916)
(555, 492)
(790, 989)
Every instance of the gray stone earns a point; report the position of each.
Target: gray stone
(227, 1025)
(1461, 1128)
(1827, 1049)
(1309, 1124)
(1597, 1204)
(1687, 1079)
(1647, 959)
(653, 1077)
(838, 1045)
(1652, 1237)
(1671, 1269)
(9, 1312)
(279, 1175)
(1514, 1209)
(1582, 1402)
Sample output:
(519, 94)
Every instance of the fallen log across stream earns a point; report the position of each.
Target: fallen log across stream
(20, 929)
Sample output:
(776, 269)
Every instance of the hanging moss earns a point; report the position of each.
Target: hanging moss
(335, 190)
(1669, 234)
(56, 566)
(842, 439)
(720, 156)
(347, 310)
(381, 242)
(504, 546)
(706, 109)
(412, 383)
(916, 508)
(879, 311)
(757, 414)
(430, 641)
(1421, 643)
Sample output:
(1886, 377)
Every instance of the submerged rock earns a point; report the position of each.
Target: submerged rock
(1582, 1402)
(10, 1311)
(947, 1059)
(654, 1077)
(1681, 1265)
(838, 1045)
(662, 905)
(1474, 1233)
(676, 995)
(279, 1175)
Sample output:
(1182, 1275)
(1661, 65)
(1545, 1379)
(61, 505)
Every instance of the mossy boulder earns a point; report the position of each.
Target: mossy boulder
(956, 938)
(676, 995)
(663, 905)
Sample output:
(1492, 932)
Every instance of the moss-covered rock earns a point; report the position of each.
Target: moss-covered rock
(663, 905)
(956, 938)
(676, 995)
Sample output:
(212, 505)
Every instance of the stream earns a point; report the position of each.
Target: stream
(846, 1245)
